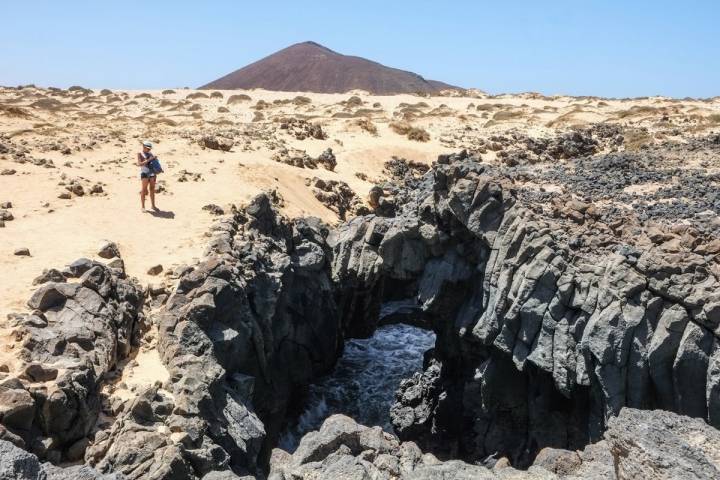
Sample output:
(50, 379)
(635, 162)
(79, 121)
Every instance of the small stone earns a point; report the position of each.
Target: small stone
(40, 373)
(214, 209)
(22, 252)
(214, 143)
(6, 205)
(108, 250)
(65, 196)
(155, 269)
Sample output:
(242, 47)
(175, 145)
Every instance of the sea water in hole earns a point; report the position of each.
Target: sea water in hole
(363, 383)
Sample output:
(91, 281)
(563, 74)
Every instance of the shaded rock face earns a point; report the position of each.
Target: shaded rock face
(538, 345)
(74, 337)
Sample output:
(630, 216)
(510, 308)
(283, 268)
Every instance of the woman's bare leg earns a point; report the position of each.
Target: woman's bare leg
(143, 192)
(152, 192)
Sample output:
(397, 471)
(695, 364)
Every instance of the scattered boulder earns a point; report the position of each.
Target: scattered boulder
(215, 143)
(214, 209)
(327, 160)
(22, 252)
(399, 168)
(155, 270)
(302, 129)
(108, 250)
(337, 196)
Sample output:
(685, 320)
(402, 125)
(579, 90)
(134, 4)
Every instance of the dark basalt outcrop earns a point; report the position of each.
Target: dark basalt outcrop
(538, 344)
(76, 334)
(244, 332)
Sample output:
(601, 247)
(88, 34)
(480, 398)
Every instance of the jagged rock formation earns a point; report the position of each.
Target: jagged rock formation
(243, 332)
(538, 344)
(639, 445)
(542, 341)
(76, 334)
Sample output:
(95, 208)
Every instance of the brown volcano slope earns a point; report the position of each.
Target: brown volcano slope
(310, 67)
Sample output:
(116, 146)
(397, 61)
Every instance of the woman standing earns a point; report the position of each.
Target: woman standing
(147, 175)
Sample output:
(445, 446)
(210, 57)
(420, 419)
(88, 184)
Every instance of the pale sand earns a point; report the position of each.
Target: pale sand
(147, 369)
(68, 229)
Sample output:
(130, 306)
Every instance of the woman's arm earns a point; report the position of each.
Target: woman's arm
(142, 162)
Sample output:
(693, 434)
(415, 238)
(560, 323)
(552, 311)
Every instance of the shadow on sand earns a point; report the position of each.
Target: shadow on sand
(162, 213)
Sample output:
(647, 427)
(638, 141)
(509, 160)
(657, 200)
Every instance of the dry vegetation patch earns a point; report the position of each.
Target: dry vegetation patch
(240, 98)
(413, 133)
(367, 125)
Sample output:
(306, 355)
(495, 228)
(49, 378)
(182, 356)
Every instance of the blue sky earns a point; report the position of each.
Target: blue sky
(608, 48)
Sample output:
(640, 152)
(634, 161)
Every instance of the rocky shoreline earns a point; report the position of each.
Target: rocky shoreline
(555, 321)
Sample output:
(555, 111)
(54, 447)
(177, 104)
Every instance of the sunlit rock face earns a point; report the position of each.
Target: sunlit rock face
(540, 340)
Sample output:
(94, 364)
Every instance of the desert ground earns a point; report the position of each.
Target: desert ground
(67, 161)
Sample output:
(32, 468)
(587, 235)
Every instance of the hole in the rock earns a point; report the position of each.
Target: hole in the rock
(363, 383)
